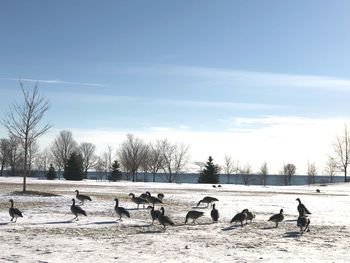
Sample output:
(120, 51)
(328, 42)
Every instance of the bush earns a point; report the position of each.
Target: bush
(210, 174)
(51, 174)
(74, 169)
(115, 174)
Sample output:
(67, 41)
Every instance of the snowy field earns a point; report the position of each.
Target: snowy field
(47, 233)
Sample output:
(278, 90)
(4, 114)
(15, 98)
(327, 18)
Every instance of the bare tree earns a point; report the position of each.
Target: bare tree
(288, 171)
(22, 121)
(331, 168)
(311, 172)
(246, 173)
(342, 151)
(62, 147)
(264, 171)
(146, 162)
(15, 155)
(175, 158)
(229, 167)
(43, 160)
(155, 158)
(131, 154)
(87, 152)
(4, 154)
(33, 153)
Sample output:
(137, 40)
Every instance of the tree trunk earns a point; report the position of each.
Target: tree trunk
(345, 174)
(25, 165)
(228, 178)
(154, 177)
(2, 169)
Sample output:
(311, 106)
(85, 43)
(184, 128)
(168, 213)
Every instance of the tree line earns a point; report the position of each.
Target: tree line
(20, 154)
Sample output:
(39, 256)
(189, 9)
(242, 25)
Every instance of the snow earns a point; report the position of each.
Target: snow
(46, 233)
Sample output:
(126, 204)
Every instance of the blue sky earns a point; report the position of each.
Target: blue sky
(239, 70)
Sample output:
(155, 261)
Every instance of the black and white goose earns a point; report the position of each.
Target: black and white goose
(250, 216)
(194, 215)
(207, 200)
(154, 213)
(138, 200)
(82, 198)
(120, 210)
(277, 218)
(14, 212)
(303, 211)
(303, 222)
(76, 210)
(164, 220)
(214, 214)
(153, 200)
(240, 217)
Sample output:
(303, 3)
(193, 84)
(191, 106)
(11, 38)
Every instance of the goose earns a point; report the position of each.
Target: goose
(208, 200)
(250, 216)
(277, 218)
(143, 196)
(219, 186)
(164, 220)
(76, 210)
(194, 215)
(153, 200)
(154, 213)
(214, 186)
(239, 217)
(82, 198)
(303, 221)
(160, 196)
(138, 200)
(318, 191)
(120, 210)
(214, 214)
(14, 212)
(302, 209)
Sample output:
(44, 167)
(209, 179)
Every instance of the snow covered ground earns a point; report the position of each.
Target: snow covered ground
(46, 233)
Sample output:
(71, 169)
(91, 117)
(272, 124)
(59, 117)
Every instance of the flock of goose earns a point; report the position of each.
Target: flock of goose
(146, 198)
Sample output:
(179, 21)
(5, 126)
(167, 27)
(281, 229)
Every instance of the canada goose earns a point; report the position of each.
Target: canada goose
(164, 220)
(214, 186)
(14, 212)
(76, 210)
(160, 196)
(250, 216)
(120, 210)
(82, 198)
(214, 214)
(302, 209)
(277, 217)
(143, 196)
(303, 221)
(193, 215)
(219, 186)
(240, 217)
(154, 213)
(208, 200)
(138, 200)
(153, 200)
(318, 191)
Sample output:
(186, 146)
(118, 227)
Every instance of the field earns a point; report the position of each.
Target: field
(47, 233)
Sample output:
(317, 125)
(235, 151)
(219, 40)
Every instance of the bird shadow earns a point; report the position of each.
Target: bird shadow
(292, 234)
(229, 228)
(150, 231)
(4, 224)
(135, 209)
(200, 207)
(58, 222)
(268, 227)
(139, 226)
(103, 222)
(290, 220)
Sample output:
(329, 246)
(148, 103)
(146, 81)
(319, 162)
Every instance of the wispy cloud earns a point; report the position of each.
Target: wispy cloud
(56, 81)
(238, 78)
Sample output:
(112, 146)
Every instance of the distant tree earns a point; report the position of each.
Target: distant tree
(15, 155)
(175, 159)
(22, 122)
(229, 167)
(146, 161)
(210, 173)
(51, 174)
(155, 158)
(43, 159)
(33, 154)
(115, 173)
(264, 171)
(331, 168)
(288, 171)
(131, 154)
(311, 172)
(342, 151)
(74, 169)
(61, 149)
(87, 152)
(4, 154)
(246, 172)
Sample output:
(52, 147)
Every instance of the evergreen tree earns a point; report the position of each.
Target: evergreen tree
(115, 174)
(210, 173)
(74, 169)
(51, 174)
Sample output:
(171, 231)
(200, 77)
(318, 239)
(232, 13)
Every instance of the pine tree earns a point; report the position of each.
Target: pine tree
(74, 169)
(115, 174)
(51, 174)
(210, 173)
